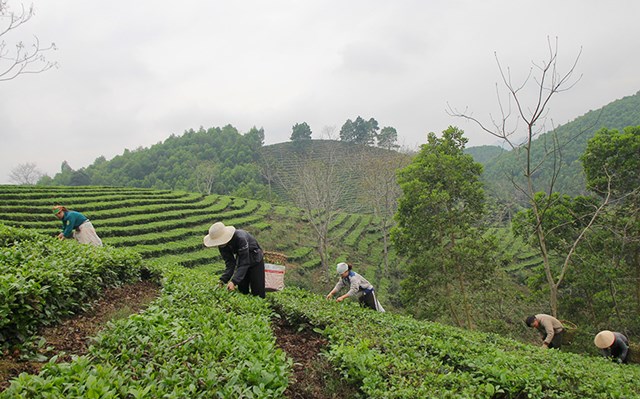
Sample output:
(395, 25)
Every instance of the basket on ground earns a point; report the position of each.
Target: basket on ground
(570, 331)
(634, 353)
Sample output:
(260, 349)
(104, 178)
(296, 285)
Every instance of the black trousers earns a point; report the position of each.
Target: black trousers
(556, 342)
(368, 301)
(254, 279)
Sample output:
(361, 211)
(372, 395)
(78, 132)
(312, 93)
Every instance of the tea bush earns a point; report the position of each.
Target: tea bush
(43, 279)
(193, 342)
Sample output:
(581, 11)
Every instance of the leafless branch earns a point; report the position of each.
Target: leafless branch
(23, 58)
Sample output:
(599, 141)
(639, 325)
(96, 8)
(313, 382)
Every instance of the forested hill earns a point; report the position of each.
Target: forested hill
(225, 161)
(572, 138)
(341, 169)
(219, 160)
(485, 154)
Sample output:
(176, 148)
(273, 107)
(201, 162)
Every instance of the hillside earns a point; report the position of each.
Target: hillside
(484, 154)
(198, 342)
(224, 161)
(572, 138)
(169, 225)
(220, 160)
(354, 166)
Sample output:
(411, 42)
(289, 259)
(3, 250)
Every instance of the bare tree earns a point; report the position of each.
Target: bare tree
(329, 133)
(380, 190)
(543, 82)
(23, 58)
(26, 173)
(268, 165)
(206, 173)
(315, 184)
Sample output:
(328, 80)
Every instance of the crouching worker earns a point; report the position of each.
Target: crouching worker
(613, 344)
(242, 256)
(358, 286)
(550, 329)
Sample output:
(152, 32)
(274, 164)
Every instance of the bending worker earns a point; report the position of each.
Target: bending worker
(243, 258)
(550, 329)
(84, 232)
(613, 344)
(358, 286)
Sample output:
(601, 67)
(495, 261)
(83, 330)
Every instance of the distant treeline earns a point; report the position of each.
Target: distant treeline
(501, 165)
(219, 160)
(224, 161)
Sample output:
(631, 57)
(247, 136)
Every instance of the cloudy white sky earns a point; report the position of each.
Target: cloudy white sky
(131, 73)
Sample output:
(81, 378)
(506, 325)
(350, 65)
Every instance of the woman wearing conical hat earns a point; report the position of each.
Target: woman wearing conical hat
(613, 344)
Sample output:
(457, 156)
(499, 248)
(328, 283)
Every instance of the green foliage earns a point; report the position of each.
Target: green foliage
(193, 342)
(572, 139)
(359, 131)
(441, 188)
(173, 164)
(182, 346)
(600, 289)
(169, 225)
(43, 279)
(300, 131)
(562, 219)
(442, 200)
(612, 253)
(615, 154)
(391, 356)
(485, 153)
(388, 138)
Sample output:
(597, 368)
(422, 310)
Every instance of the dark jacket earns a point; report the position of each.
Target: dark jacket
(619, 349)
(239, 254)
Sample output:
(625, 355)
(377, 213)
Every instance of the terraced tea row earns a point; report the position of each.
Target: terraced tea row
(166, 223)
(391, 356)
(193, 342)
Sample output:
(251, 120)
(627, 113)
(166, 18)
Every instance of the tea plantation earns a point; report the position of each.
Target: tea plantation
(196, 341)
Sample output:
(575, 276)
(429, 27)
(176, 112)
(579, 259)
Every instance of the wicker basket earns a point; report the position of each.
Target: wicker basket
(570, 331)
(634, 353)
(275, 258)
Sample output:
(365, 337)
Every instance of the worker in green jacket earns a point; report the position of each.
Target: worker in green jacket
(77, 226)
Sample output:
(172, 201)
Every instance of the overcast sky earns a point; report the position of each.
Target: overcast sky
(131, 73)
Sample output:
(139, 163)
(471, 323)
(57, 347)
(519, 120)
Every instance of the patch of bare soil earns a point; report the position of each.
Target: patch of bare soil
(72, 336)
(313, 376)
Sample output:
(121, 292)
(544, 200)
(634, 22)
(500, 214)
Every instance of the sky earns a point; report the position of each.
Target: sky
(131, 73)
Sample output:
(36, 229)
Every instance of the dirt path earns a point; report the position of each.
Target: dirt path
(313, 376)
(73, 334)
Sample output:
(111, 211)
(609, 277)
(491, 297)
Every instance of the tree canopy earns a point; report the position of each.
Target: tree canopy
(360, 131)
(442, 202)
(182, 162)
(614, 154)
(300, 131)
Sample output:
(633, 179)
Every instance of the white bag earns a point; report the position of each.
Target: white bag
(273, 277)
